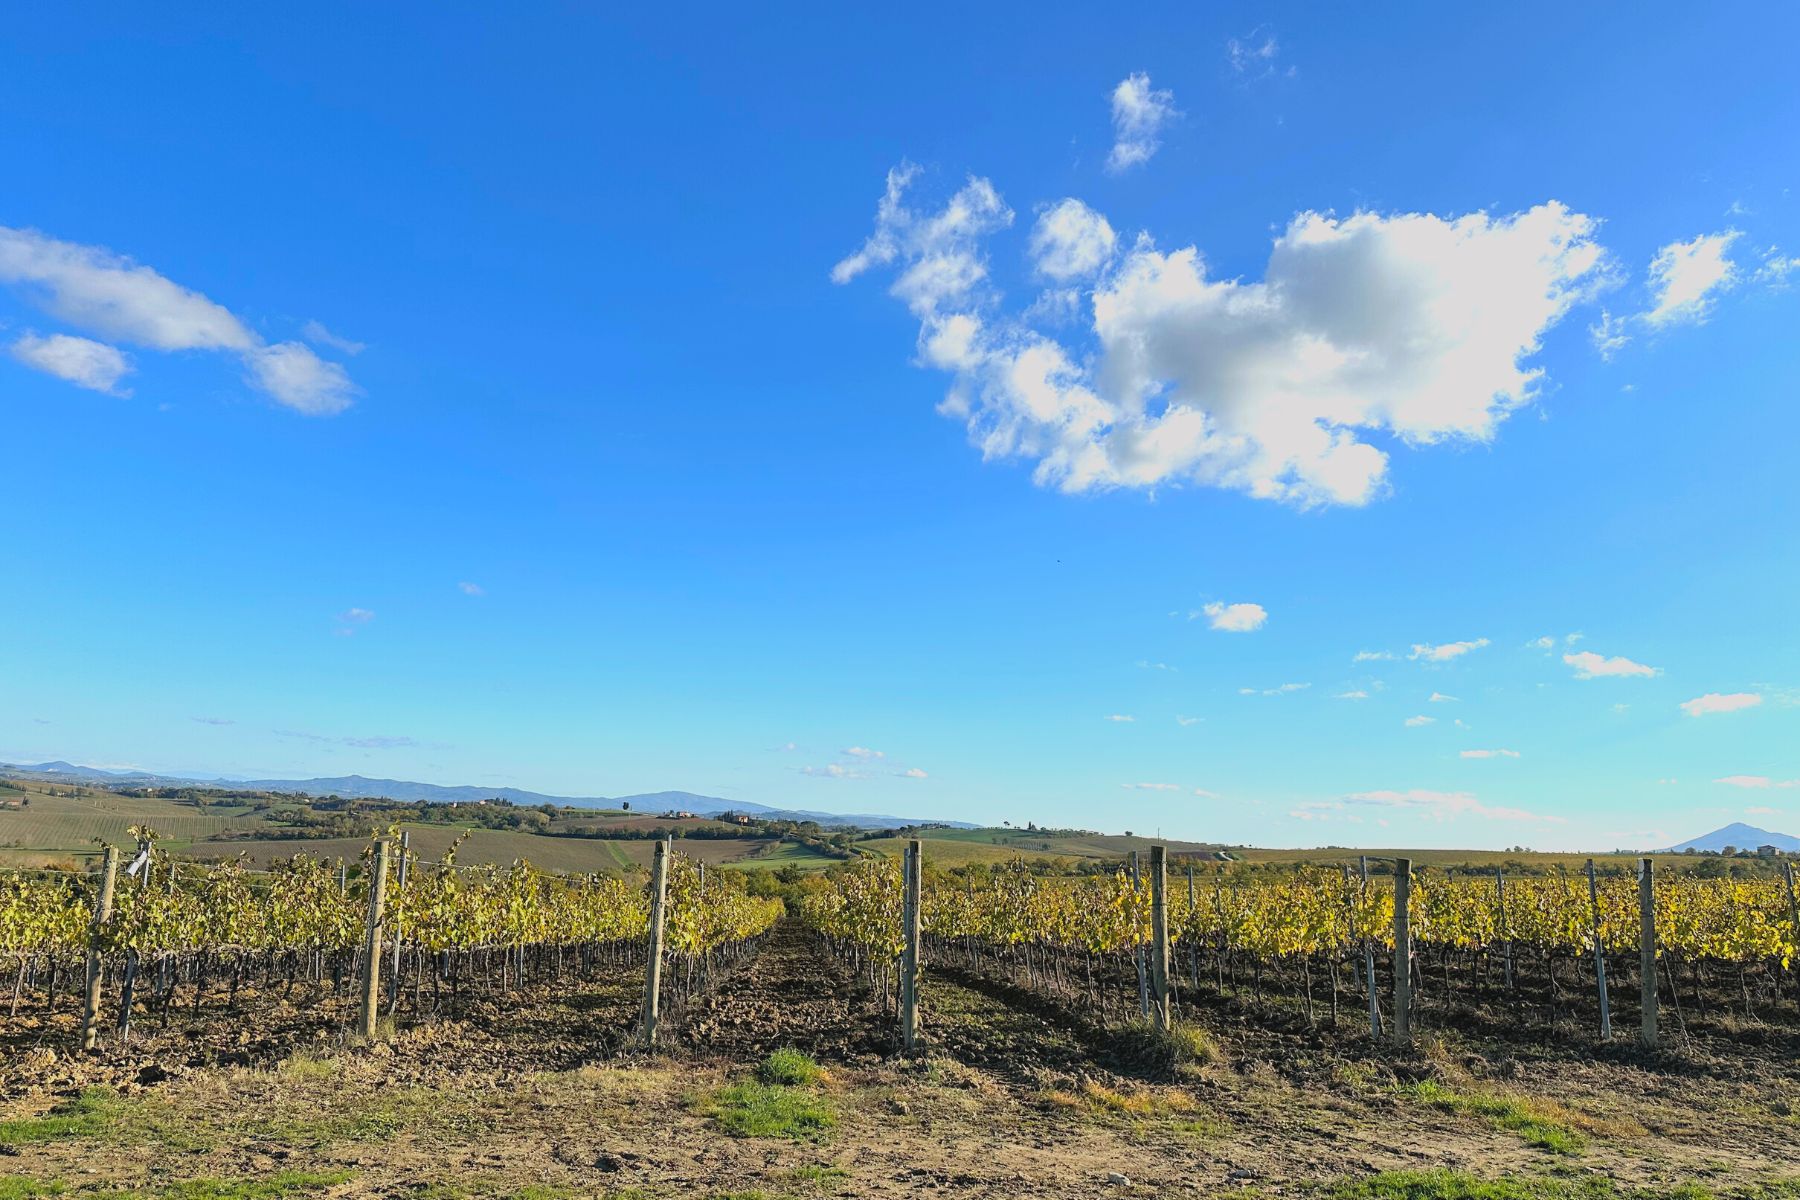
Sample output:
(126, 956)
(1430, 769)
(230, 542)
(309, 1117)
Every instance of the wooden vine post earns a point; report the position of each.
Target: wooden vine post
(659, 897)
(1647, 954)
(1787, 872)
(371, 980)
(1599, 957)
(912, 877)
(1159, 937)
(103, 906)
(1402, 952)
(400, 891)
(1505, 924)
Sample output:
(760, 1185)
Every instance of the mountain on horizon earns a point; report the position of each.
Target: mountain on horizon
(1737, 835)
(361, 787)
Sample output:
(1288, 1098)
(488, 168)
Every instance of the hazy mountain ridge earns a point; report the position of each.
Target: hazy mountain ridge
(1738, 835)
(364, 788)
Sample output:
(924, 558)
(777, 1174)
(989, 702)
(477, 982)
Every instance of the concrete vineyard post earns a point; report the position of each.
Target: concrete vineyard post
(1368, 948)
(371, 981)
(103, 905)
(1647, 954)
(1159, 936)
(1402, 952)
(913, 878)
(659, 896)
(1137, 949)
(1599, 957)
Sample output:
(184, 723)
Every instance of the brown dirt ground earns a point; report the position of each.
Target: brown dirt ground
(1017, 1096)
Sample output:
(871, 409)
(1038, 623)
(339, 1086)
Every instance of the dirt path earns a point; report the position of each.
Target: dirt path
(790, 994)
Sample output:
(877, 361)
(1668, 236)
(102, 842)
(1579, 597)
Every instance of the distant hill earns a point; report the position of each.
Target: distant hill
(361, 787)
(1740, 835)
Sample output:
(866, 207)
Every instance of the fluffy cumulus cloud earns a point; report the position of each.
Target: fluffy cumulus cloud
(1071, 241)
(81, 361)
(1410, 327)
(1589, 665)
(96, 290)
(1235, 618)
(1716, 702)
(863, 753)
(1447, 651)
(1686, 277)
(1139, 113)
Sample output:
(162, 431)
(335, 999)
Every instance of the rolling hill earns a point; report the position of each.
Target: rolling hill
(1738, 835)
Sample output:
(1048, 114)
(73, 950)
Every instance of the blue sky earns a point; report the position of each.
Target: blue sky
(556, 402)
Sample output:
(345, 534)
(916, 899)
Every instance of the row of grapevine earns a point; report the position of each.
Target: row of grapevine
(216, 930)
(1074, 935)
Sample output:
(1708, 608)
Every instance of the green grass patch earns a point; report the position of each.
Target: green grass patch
(1458, 1185)
(274, 1187)
(817, 1173)
(1511, 1113)
(85, 1115)
(791, 1067)
(17, 1187)
(755, 1109)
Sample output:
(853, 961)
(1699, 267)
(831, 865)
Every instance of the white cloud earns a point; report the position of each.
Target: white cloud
(1589, 665)
(1757, 781)
(1153, 787)
(863, 752)
(1138, 114)
(1146, 665)
(1372, 656)
(1714, 702)
(1122, 718)
(1235, 618)
(1609, 334)
(1490, 754)
(1417, 722)
(1358, 694)
(1685, 278)
(213, 720)
(1412, 326)
(1278, 690)
(360, 616)
(913, 773)
(471, 589)
(1184, 722)
(1439, 805)
(1762, 810)
(96, 290)
(832, 771)
(318, 335)
(1206, 795)
(1445, 652)
(1253, 55)
(1440, 698)
(81, 361)
(1071, 241)
(300, 379)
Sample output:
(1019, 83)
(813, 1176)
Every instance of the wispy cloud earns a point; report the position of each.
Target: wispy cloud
(1356, 694)
(213, 720)
(1184, 722)
(1589, 665)
(318, 335)
(100, 292)
(863, 753)
(1152, 787)
(1235, 618)
(1419, 721)
(1122, 718)
(833, 771)
(1426, 652)
(1139, 113)
(372, 742)
(912, 773)
(1686, 278)
(351, 619)
(471, 589)
(1440, 698)
(1757, 781)
(1441, 805)
(1254, 55)
(1716, 702)
(78, 360)
(1490, 754)
(1278, 690)
(1372, 656)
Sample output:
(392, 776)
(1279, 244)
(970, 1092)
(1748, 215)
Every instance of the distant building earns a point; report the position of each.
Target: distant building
(1768, 852)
